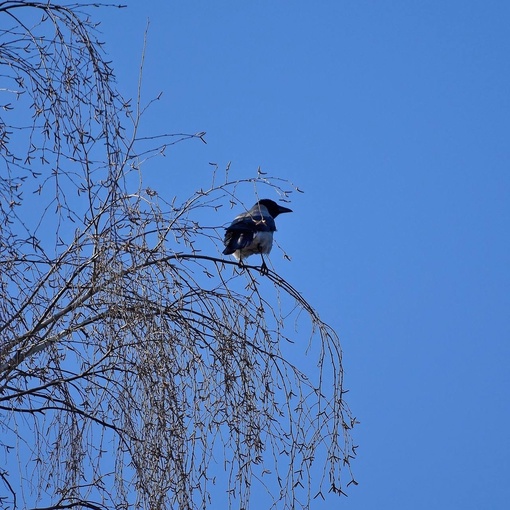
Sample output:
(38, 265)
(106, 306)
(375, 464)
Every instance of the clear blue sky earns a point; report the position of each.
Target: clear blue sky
(394, 118)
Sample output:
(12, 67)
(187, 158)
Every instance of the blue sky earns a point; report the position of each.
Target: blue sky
(394, 118)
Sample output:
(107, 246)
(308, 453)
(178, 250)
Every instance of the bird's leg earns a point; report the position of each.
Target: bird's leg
(263, 268)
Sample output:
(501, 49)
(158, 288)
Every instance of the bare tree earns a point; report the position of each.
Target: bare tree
(137, 368)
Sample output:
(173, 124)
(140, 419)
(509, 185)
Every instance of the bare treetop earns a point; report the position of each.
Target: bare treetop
(138, 368)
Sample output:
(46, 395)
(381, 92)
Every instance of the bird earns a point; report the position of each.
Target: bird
(252, 231)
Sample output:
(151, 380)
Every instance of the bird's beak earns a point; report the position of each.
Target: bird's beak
(282, 210)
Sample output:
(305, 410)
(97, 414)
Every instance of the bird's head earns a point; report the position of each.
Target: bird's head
(272, 207)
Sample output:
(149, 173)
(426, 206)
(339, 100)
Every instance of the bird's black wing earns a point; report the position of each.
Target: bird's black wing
(240, 234)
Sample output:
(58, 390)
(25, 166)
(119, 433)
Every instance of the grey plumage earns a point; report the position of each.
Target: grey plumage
(252, 231)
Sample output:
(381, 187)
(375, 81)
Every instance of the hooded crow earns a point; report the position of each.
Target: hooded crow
(252, 231)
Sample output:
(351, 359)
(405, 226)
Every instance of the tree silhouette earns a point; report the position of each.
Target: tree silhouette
(138, 369)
